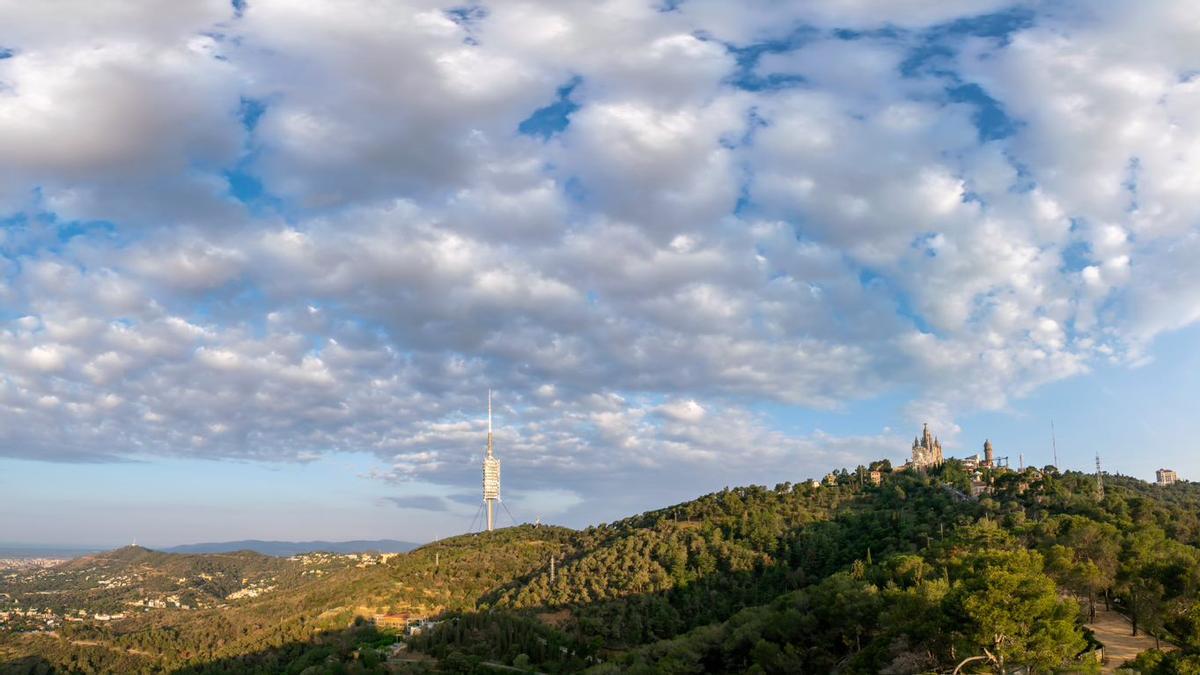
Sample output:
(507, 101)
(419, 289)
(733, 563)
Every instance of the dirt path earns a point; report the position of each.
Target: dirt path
(127, 650)
(1114, 632)
(501, 666)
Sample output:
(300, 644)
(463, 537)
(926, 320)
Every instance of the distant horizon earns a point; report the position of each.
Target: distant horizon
(28, 549)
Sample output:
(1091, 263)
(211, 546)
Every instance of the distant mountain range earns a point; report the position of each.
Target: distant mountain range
(287, 548)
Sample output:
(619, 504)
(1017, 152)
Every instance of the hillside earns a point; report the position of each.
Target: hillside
(909, 576)
(132, 576)
(290, 548)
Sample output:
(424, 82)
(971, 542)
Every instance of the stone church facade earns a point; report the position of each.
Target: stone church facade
(926, 450)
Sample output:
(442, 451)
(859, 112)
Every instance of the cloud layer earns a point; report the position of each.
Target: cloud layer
(284, 228)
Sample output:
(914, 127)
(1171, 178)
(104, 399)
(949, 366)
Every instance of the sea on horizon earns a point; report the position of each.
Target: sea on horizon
(27, 551)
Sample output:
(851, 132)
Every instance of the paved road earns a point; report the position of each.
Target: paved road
(1114, 632)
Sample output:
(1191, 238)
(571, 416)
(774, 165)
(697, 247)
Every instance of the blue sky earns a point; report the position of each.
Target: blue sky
(261, 261)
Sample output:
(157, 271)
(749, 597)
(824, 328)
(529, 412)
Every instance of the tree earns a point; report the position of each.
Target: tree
(1097, 546)
(1145, 606)
(1011, 611)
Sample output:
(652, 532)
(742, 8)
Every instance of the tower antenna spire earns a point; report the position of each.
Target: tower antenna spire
(1053, 443)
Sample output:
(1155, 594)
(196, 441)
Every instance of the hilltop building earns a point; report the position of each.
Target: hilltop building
(1166, 477)
(988, 460)
(926, 450)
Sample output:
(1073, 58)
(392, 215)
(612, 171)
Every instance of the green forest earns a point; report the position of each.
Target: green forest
(910, 576)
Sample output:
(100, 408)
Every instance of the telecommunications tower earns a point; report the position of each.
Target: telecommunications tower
(491, 472)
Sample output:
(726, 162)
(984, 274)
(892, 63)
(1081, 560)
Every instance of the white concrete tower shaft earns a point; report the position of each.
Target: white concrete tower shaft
(490, 502)
(491, 473)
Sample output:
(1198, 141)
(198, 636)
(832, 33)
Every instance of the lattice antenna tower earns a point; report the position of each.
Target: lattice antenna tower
(1099, 479)
(491, 473)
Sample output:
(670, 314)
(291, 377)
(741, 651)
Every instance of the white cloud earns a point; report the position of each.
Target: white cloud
(774, 19)
(637, 284)
(135, 107)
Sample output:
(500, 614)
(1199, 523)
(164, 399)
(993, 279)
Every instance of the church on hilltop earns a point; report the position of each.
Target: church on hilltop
(926, 450)
(981, 470)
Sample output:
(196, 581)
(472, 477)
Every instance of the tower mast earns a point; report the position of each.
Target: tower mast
(490, 502)
(1054, 443)
(491, 473)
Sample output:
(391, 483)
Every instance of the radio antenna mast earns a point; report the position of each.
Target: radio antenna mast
(1053, 443)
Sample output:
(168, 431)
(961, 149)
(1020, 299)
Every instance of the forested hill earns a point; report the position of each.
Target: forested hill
(909, 576)
(912, 575)
(290, 548)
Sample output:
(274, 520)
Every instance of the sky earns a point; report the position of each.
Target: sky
(262, 260)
